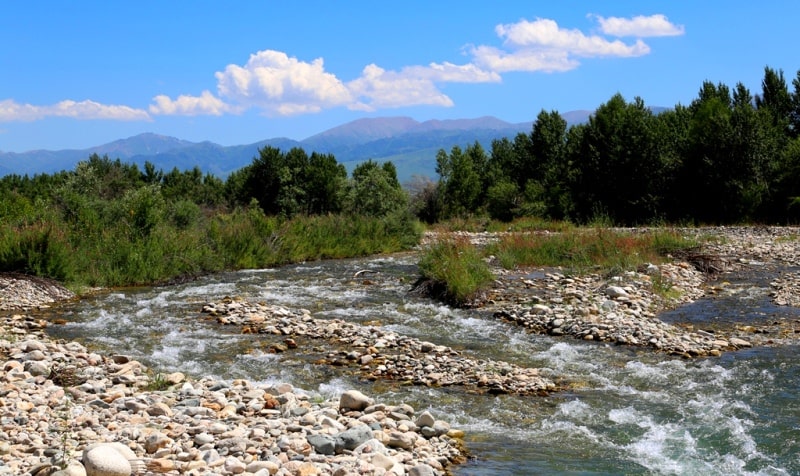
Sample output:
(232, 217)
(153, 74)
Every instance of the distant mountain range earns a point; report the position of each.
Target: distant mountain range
(409, 144)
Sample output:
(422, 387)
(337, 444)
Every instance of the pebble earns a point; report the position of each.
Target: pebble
(200, 427)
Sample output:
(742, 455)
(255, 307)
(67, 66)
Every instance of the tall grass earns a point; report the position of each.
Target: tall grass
(595, 249)
(456, 268)
(457, 271)
(116, 253)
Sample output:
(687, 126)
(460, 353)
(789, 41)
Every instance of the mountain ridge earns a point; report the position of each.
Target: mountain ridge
(350, 143)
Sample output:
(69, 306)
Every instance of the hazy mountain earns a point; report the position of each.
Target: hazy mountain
(410, 144)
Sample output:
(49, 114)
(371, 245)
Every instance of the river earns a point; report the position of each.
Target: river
(628, 411)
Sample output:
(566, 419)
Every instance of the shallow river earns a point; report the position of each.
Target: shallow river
(630, 412)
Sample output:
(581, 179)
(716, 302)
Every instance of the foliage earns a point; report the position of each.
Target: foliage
(594, 249)
(458, 268)
(375, 191)
(108, 224)
(728, 157)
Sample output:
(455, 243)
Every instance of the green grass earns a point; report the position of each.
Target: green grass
(581, 250)
(102, 252)
(459, 270)
(456, 267)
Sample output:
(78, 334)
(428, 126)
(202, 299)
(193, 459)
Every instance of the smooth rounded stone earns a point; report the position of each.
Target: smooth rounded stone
(159, 409)
(175, 378)
(105, 460)
(736, 342)
(354, 400)
(269, 467)
(352, 438)
(37, 368)
(323, 444)
(32, 345)
(402, 440)
(204, 438)
(541, 309)
(73, 468)
(421, 470)
(36, 355)
(155, 442)
(234, 466)
(425, 419)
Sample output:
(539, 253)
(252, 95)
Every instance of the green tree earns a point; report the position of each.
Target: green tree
(375, 190)
(776, 99)
(324, 182)
(619, 163)
(461, 179)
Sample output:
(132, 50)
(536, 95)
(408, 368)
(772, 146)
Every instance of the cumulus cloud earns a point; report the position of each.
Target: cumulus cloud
(280, 85)
(527, 59)
(184, 105)
(639, 26)
(543, 45)
(13, 111)
(276, 83)
(378, 88)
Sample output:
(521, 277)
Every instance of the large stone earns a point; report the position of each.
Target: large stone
(402, 440)
(352, 438)
(354, 400)
(421, 470)
(425, 419)
(323, 444)
(74, 468)
(105, 460)
(615, 292)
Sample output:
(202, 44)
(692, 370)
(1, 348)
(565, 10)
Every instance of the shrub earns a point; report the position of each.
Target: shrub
(455, 270)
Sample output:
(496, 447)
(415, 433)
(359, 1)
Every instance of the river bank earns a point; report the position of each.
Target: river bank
(58, 399)
(749, 248)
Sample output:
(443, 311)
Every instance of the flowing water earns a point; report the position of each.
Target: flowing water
(630, 411)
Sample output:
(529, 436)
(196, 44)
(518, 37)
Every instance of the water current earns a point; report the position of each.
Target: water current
(628, 411)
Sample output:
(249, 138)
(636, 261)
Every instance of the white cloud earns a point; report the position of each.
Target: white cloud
(273, 81)
(640, 26)
(283, 85)
(378, 88)
(545, 35)
(13, 111)
(451, 73)
(542, 45)
(186, 105)
(278, 84)
(523, 60)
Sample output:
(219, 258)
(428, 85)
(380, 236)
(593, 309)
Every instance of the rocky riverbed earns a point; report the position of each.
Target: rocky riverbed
(66, 410)
(60, 398)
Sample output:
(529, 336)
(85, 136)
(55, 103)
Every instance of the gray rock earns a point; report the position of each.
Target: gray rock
(402, 440)
(323, 444)
(615, 292)
(352, 438)
(421, 470)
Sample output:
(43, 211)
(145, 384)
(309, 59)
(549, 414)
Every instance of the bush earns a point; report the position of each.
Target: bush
(38, 249)
(455, 270)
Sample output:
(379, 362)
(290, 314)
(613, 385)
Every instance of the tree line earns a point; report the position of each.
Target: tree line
(728, 157)
(109, 223)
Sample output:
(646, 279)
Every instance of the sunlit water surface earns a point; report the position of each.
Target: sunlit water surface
(631, 412)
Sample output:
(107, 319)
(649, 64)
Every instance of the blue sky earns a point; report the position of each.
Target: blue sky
(82, 73)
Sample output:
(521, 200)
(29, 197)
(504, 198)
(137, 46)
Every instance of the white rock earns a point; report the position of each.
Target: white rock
(354, 400)
(105, 460)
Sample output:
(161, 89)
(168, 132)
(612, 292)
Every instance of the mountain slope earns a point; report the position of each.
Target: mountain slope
(410, 144)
